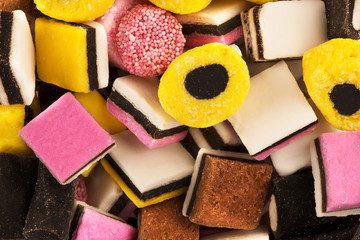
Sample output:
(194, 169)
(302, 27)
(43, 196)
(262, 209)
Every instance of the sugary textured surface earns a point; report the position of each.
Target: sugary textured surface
(333, 65)
(95, 104)
(79, 52)
(95, 225)
(110, 20)
(81, 192)
(270, 116)
(139, 131)
(11, 121)
(17, 183)
(73, 11)
(194, 112)
(51, 208)
(148, 39)
(164, 221)
(182, 6)
(57, 137)
(231, 193)
(260, 233)
(340, 154)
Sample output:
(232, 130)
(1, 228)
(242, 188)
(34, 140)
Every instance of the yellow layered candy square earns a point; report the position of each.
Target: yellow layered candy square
(11, 121)
(61, 54)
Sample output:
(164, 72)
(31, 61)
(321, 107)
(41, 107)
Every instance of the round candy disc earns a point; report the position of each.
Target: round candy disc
(205, 85)
(73, 11)
(332, 78)
(181, 6)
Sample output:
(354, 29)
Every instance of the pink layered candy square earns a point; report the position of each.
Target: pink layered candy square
(340, 153)
(66, 138)
(94, 225)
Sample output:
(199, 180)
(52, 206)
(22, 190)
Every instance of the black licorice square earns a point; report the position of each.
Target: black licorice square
(17, 182)
(339, 14)
(51, 209)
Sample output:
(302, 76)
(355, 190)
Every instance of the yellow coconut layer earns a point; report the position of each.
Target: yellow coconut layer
(261, 1)
(181, 6)
(11, 121)
(61, 54)
(95, 104)
(74, 10)
(129, 193)
(333, 63)
(201, 113)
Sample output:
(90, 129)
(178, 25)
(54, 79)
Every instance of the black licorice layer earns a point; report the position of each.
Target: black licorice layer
(287, 138)
(7, 77)
(91, 57)
(295, 204)
(76, 221)
(206, 82)
(212, 137)
(339, 15)
(156, 192)
(259, 41)
(190, 145)
(216, 30)
(346, 98)
(322, 175)
(51, 208)
(119, 205)
(17, 183)
(200, 174)
(140, 118)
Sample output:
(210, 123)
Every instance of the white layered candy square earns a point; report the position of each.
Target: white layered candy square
(134, 102)
(296, 155)
(17, 59)
(274, 113)
(147, 174)
(284, 29)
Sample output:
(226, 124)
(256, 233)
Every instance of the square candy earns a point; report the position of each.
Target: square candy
(91, 223)
(66, 138)
(272, 117)
(227, 190)
(335, 159)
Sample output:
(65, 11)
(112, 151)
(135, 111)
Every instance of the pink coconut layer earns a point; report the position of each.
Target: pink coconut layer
(139, 131)
(340, 152)
(266, 153)
(110, 20)
(97, 226)
(57, 137)
(195, 40)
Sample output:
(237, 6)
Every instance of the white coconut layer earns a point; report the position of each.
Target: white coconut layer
(150, 168)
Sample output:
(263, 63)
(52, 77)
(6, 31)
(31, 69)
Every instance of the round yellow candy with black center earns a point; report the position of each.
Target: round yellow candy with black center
(181, 6)
(332, 77)
(205, 85)
(74, 10)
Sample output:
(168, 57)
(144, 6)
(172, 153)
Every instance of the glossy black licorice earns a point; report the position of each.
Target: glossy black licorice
(51, 209)
(339, 15)
(17, 182)
(206, 82)
(190, 145)
(346, 98)
(295, 204)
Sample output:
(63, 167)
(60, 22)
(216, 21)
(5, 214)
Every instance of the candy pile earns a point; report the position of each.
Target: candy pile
(179, 119)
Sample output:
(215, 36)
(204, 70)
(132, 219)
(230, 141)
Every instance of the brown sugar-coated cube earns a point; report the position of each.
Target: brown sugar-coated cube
(164, 221)
(230, 192)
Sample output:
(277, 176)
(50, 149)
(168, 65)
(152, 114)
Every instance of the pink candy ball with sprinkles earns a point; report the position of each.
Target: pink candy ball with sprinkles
(148, 40)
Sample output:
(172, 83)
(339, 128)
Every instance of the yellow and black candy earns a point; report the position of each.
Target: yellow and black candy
(332, 77)
(205, 85)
